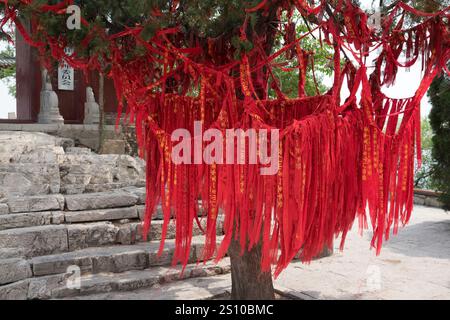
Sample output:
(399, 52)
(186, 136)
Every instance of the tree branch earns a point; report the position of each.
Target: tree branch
(338, 25)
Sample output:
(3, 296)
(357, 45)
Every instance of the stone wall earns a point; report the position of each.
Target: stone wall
(81, 135)
(33, 164)
(427, 198)
(65, 209)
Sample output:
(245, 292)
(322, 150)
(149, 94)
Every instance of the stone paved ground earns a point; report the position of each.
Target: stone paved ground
(413, 265)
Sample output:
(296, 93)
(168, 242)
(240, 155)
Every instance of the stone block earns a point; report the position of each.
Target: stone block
(164, 260)
(157, 215)
(138, 192)
(77, 150)
(127, 233)
(66, 143)
(155, 232)
(101, 215)
(104, 200)
(4, 209)
(113, 147)
(25, 220)
(29, 179)
(13, 270)
(419, 200)
(15, 291)
(120, 262)
(42, 288)
(11, 253)
(58, 218)
(36, 241)
(46, 155)
(56, 264)
(97, 173)
(82, 236)
(36, 203)
(433, 202)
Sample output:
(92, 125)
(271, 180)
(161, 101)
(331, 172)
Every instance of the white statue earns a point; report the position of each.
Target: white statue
(91, 108)
(49, 112)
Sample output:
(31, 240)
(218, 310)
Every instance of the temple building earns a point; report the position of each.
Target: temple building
(62, 102)
(69, 85)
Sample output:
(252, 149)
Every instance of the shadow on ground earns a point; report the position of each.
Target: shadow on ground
(426, 239)
(196, 288)
(212, 285)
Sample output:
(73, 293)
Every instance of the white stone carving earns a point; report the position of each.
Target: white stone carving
(49, 113)
(91, 108)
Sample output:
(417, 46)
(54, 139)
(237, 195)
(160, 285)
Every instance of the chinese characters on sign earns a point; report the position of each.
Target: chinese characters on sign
(66, 74)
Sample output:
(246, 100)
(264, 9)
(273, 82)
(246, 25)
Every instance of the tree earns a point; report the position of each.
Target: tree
(440, 123)
(322, 54)
(8, 73)
(424, 174)
(219, 62)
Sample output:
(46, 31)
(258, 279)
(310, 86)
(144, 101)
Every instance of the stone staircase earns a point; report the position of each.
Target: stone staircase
(76, 230)
(39, 250)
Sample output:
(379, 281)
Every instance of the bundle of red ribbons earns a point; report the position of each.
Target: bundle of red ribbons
(336, 161)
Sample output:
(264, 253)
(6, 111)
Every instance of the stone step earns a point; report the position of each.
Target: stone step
(101, 215)
(29, 179)
(15, 291)
(71, 284)
(159, 215)
(114, 259)
(52, 239)
(92, 173)
(37, 278)
(36, 203)
(35, 241)
(202, 288)
(139, 279)
(101, 200)
(78, 150)
(14, 270)
(119, 198)
(82, 236)
(34, 219)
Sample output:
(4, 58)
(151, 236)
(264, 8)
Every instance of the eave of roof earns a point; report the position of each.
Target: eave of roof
(6, 62)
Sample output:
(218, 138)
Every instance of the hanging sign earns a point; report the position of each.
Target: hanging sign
(66, 74)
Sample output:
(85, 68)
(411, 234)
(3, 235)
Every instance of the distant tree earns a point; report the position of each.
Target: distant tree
(424, 174)
(322, 55)
(440, 123)
(8, 74)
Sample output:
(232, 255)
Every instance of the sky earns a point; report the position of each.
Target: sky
(8, 103)
(407, 81)
(405, 86)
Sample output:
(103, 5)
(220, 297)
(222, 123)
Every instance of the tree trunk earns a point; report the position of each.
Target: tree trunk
(101, 103)
(248, 281)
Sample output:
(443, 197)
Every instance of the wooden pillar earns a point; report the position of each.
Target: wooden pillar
(28, 79)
